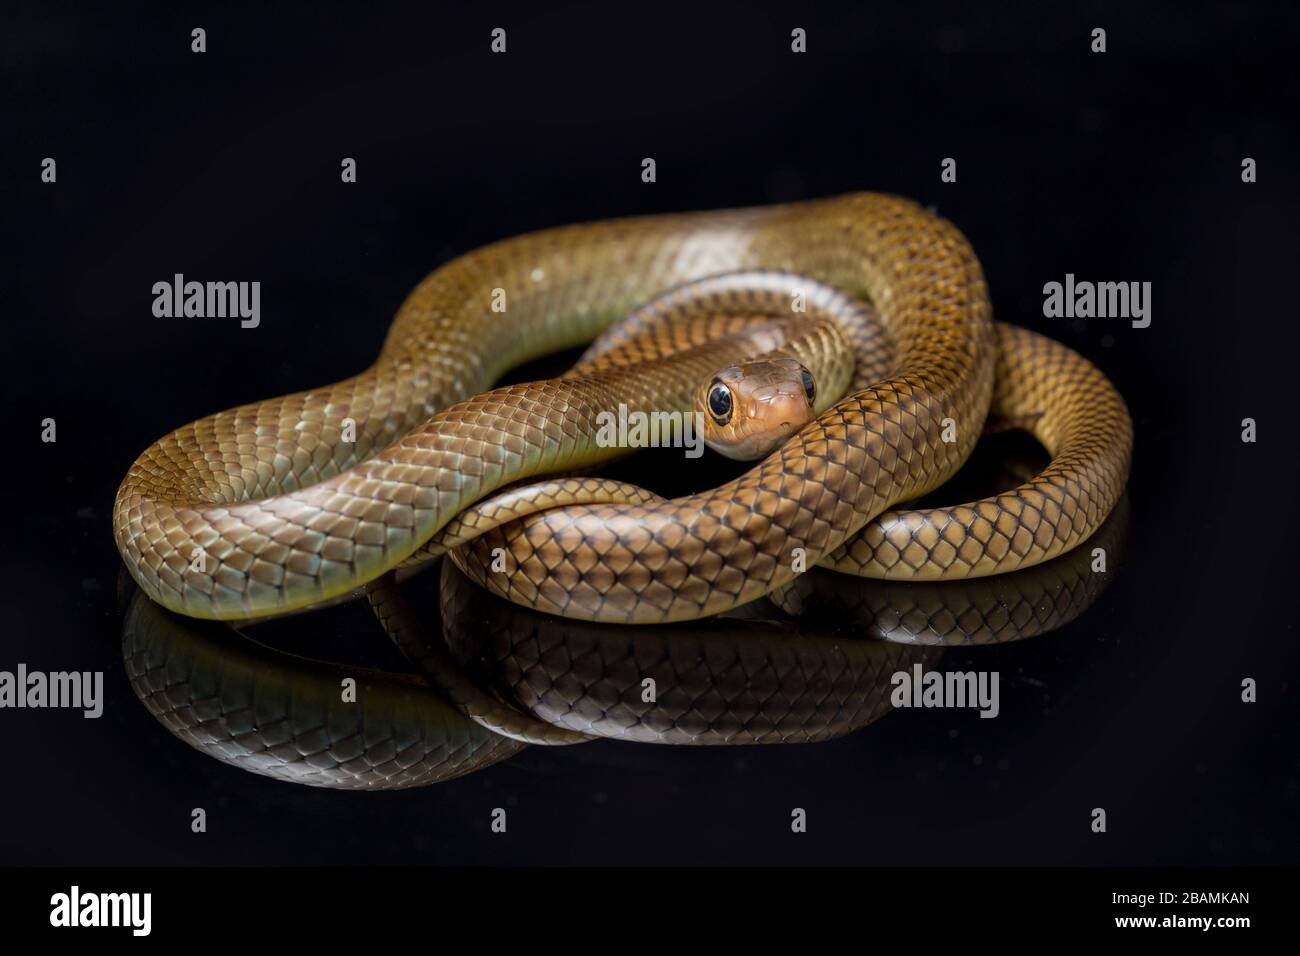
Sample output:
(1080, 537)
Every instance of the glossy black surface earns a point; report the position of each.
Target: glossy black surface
(1122, 166)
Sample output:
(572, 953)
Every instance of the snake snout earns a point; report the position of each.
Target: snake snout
(749, 409)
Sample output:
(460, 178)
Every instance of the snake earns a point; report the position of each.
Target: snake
(282, 716)
(760, 679)
(288, 503)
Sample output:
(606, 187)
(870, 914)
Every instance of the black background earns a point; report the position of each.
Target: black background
(1122, 166)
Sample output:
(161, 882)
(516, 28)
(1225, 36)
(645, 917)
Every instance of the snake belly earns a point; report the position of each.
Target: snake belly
(282, 513)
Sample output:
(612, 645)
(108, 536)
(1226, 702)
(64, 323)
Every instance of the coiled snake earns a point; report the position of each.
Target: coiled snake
(267, 508)
(506, 674)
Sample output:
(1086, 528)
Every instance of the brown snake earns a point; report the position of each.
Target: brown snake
(266, 508)
(506, 674)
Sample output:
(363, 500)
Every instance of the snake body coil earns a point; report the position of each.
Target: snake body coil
(266, 508)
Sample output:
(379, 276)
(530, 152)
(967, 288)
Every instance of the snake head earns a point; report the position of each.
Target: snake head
(749, 409)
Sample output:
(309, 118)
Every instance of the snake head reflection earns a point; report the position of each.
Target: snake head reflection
(749, 409)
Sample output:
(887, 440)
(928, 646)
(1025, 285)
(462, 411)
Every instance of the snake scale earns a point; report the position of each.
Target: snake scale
(266, 508)
(508, 674)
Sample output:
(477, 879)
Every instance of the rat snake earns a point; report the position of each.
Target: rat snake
(276, 506)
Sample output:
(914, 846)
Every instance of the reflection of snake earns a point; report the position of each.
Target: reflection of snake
(284, 717)
(753, 681)
(267, 508)
(533, 676)
(996, 610)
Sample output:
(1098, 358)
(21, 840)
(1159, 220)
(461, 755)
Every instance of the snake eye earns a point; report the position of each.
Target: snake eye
(809, 388)
(720, 402)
